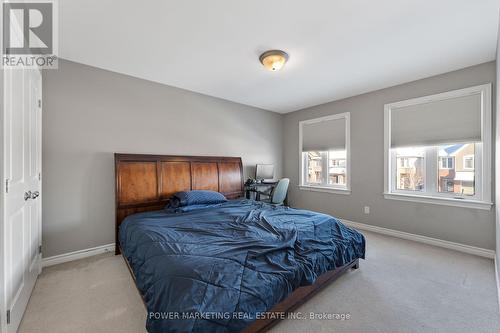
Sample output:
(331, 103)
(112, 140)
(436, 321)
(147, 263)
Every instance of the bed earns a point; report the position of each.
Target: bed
(239, 265)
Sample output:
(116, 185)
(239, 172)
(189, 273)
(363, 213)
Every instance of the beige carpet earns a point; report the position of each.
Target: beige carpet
(402, 287)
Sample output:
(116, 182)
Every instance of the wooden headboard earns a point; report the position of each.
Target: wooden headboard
(146, 182)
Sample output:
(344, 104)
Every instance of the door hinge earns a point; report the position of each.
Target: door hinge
(39, 176)
(39, 249)
(6, 186)
(8, 316)
(39, 103)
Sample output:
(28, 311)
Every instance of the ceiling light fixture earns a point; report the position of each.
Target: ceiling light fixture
(273, 60)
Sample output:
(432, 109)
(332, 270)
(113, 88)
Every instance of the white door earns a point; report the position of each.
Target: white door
(22, 175)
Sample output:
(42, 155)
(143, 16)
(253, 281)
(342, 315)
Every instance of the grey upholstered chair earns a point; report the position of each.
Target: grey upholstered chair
(278, 194)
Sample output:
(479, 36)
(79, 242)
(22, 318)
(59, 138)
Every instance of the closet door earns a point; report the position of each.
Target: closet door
(22, 201)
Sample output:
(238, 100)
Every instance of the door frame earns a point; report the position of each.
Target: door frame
(3, 296)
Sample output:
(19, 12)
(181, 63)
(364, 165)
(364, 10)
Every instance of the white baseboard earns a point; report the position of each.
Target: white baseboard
(65, 257)
(423, 239)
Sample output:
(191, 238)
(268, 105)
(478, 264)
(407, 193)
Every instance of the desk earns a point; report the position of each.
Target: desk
(260, 187)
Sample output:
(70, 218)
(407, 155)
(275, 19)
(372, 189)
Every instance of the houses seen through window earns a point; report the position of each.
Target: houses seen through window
(314, 167)
(410, 169)
(446, 169)
(337, 167)
(457, 178)
(325, 167)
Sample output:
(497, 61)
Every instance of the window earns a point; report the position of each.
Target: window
(337, 167)
(410, 169)
(324, 153)
(469, 162)
(314, 164)
(413, 164)
(458, 179)
(446, 162)
(338, 162)
(404, 162)
(438, 148)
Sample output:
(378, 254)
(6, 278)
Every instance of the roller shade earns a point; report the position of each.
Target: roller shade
(324, 135)
(452, 120)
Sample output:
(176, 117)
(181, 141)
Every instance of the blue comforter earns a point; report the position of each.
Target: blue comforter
(215, 268)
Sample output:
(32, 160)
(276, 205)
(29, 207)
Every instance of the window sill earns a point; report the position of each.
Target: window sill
(325, 189)
(440, 201)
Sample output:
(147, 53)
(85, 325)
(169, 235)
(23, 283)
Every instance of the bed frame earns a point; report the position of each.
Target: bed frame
(146, 182)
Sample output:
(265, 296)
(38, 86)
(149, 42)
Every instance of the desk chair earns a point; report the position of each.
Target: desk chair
(278, 194)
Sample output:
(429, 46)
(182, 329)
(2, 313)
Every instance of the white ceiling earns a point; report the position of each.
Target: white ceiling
(337, 48)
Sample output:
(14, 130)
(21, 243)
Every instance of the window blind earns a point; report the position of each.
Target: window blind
(324, 135)
(452, 120)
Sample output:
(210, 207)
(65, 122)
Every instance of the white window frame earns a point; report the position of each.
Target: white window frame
(448, 167)
(473, 162)
(482, 197)
(331, 188)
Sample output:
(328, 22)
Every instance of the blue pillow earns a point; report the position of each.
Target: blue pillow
(188, 198)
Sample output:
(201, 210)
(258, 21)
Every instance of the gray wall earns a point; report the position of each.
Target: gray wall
(89, 114)
(462, 225)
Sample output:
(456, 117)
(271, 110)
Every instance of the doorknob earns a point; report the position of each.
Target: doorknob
(35, 195)
(27, 195)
